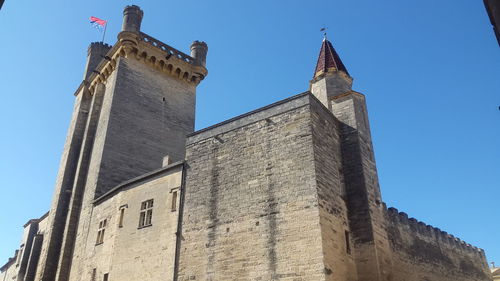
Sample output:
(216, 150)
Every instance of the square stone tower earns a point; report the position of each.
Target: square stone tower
(285, 192)
(332, 85)
(135, 105)
(289, 191)
(264, 198)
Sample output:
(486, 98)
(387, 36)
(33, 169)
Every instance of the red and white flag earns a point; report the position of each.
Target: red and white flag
(98, 23)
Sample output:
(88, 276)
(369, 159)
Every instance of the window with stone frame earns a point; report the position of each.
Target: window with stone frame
(100, 232)
(146, 215)
(122, 215)
(174, 201)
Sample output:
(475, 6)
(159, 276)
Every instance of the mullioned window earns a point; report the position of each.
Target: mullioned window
(146, 215)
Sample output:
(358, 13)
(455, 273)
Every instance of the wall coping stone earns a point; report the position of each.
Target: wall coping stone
(253, 116)
(435, 233)
(36, 220)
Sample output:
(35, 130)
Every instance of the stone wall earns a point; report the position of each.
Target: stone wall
(36, 261)
(264, 198)
(422, 252)
(56, 220)
(128, 251)
(23, 265)
(251, 200)
(335, 231)
(8, 270)
(366, 215)
(144, 116)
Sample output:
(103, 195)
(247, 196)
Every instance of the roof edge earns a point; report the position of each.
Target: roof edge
(136, 180)
(249, 113)
(36, 220)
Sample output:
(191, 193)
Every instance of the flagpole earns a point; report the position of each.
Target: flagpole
(104, 33)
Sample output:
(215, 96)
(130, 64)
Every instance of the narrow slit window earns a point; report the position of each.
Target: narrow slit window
(174, 201)
(347, 242)
(94, 272)
(122, 214)
(146, 215)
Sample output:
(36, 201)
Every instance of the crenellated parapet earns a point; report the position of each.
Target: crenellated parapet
(134, 44)
(166, 48)
(98, 46)
(151, 52)
(433, 233)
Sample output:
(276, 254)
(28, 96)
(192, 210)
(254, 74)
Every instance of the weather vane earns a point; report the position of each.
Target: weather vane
(323, 29)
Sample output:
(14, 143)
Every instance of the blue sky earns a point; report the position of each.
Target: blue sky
(430, 71)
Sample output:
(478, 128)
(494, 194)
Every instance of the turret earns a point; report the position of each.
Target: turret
(95, 53)
(332, 85)
(140, 83)
(132, 18)
(199, 51)
(331, 77)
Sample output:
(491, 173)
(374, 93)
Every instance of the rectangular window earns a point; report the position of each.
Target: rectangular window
(94, 271)
(122, 214)
(146, 216)
(100, 232)
(347, 242)
(105, 278)
(174, 201)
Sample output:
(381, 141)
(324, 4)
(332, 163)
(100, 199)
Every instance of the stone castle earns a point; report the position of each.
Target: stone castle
(286, 192)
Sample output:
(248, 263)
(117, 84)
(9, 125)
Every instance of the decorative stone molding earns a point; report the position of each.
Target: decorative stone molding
(330, 71)
(347, 94)
(151, 52)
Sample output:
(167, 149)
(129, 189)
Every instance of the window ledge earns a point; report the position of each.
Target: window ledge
(144, 226)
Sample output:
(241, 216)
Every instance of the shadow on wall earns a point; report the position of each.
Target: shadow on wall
(425, 244)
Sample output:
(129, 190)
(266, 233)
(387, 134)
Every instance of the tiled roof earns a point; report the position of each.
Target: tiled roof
(493, 9)
(328, 60)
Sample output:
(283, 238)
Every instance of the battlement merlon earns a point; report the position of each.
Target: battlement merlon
(431, 232)
(134, 44)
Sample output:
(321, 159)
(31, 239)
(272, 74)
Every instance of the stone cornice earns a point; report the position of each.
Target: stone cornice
(151, 52)
(347, 94)
(330, 71)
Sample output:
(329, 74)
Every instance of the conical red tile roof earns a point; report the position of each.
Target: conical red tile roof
(328, 60)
